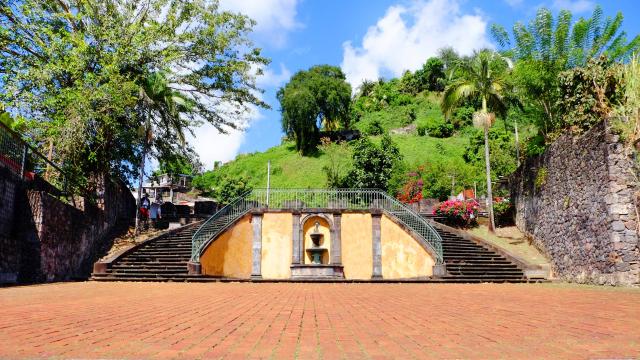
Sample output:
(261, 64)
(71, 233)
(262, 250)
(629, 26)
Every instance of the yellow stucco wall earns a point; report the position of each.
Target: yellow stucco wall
(402, 256)
(276, 245)
(357, 253)
(309, 227)
(230, 254)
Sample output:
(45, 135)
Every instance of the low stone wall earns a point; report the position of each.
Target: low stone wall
(577, 203)
(45, 239)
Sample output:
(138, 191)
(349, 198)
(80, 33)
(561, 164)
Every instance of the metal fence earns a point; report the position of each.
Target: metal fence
(26, 162)
(299, 199)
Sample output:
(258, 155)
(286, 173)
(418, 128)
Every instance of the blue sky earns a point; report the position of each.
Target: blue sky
(367, 39)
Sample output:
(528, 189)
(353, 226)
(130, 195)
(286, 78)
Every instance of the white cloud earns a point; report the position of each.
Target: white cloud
(575, 6)
(407, 35)
(213, 146)
(272, 79)
(275, 18)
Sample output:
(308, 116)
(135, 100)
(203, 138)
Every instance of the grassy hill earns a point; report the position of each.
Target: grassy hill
(291, 170)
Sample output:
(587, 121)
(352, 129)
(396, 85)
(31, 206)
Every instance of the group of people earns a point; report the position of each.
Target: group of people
(150, 210)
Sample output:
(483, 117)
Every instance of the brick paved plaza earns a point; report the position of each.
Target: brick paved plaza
(174, 320)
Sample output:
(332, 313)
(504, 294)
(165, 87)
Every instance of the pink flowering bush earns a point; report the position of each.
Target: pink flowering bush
(458, 213)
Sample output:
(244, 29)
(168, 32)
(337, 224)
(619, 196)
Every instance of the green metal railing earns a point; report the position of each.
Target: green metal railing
(298, 199)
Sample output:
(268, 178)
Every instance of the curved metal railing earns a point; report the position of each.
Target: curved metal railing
(298, 199)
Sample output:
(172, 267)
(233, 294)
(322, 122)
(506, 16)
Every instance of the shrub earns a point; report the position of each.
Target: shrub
(463, 116)
(411, 191)
(440, 130)
(230, 188)
(408, 115)
(458, 213)
(422, 130)
(402, 99)
(503, 213)
(373, 164)
(374, 128)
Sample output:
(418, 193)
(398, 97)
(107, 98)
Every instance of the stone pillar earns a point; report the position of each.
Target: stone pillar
(376, 218)
(256, 267)
(297, 239)
(336, 240)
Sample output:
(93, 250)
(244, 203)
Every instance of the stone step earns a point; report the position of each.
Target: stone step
(497, 273)
(147, 266)
(141, 270)
(482, 266)
(156, 279)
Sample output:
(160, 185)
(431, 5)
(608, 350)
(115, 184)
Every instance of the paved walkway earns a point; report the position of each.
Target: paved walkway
(160, 320)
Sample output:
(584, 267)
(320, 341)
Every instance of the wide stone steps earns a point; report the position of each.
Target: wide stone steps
(467, 261)
(166, 258)
(161, 259)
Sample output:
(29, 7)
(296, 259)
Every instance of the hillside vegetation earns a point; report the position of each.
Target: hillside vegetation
(290, 169)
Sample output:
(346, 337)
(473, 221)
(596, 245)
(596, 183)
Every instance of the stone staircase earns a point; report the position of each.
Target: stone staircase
(165, 259)
(469, 262)
(162, 259)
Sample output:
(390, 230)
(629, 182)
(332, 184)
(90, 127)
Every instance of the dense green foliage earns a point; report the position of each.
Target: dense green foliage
(373, 164)
(546, 47)
(318, 97)
(80, 72)
(588, 94)
(231, 188)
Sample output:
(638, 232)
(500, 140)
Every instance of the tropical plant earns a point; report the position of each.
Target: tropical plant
(412, 190)
(317, 97)
(547, 46)
(481, 77)
(458, 213)
(160, 106)
(588, 94)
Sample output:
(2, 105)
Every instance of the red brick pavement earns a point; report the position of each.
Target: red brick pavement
(309, 321)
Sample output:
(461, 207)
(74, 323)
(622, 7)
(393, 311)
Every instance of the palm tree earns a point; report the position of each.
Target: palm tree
(160, 105)
(482, 78)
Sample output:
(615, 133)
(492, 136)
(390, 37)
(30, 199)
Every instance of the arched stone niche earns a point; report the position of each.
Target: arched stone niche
(325, 226)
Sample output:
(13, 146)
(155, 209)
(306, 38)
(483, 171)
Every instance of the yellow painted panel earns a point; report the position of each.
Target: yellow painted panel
(357, 253)
(277, 245)
(325, 242)
(402, 256)
(230, 254)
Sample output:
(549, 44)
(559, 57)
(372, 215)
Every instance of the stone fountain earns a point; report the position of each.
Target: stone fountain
(316, 269)
(316, 252)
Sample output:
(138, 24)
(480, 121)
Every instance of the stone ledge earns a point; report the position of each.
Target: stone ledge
(312, 272)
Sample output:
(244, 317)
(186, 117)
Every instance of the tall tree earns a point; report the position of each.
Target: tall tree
(481, 77)
(161, 107)
(79, 68)
(312, 99)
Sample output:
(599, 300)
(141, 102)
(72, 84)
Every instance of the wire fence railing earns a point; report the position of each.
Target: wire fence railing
(26, 162)
(307, 199)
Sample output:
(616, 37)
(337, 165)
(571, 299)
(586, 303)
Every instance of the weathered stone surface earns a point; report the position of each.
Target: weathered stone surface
(583, 216)
(45, 239)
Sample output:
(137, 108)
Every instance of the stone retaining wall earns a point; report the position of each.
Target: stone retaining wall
(45, 239)
(577, 203)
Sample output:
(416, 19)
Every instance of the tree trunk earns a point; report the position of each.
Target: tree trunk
(488, 167)
(140, 179)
